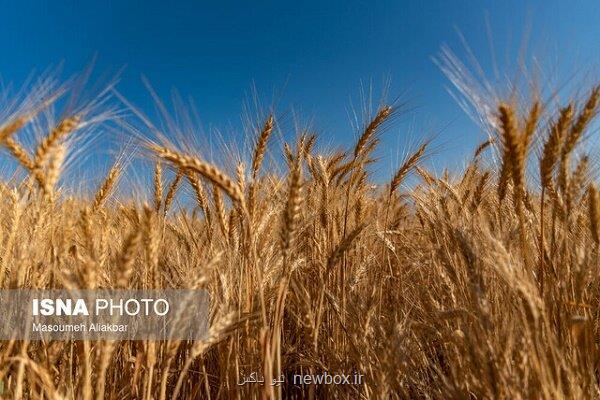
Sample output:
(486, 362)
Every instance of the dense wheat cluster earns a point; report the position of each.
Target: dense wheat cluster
(474, 285)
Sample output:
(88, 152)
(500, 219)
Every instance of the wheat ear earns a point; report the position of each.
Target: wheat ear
(13, 127)
(19, 153)
(158, 186)
(261, 146)
(552, 147)
(107, 186)
(292, 209)
(382, 115)
(64, 128)
(172, 190)
(200, 194)
(406, 167)
(582, 121)
(512, 161)
(208, 171)
(127, 258)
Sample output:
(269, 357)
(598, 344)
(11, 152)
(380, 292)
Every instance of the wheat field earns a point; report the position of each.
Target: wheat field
(475, 284)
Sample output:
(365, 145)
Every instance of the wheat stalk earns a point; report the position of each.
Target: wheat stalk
(594, 213)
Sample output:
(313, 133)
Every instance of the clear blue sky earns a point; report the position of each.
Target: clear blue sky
(315, 53)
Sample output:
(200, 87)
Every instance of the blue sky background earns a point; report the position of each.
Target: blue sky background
(312, 54)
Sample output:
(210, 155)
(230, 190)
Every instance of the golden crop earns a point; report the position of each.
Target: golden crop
(482, 284)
